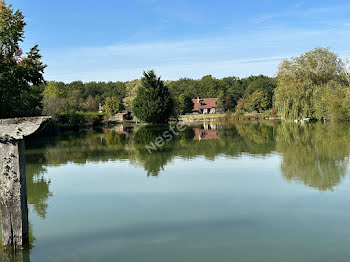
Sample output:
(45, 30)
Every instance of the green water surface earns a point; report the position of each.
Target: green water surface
(218, 191)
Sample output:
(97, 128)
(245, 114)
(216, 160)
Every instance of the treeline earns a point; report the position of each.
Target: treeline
(254, 93)
(59, 98)
(76, 104)
(314, 85)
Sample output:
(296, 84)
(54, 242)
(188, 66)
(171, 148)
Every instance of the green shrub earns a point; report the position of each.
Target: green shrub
(93, 118)
(79, 119)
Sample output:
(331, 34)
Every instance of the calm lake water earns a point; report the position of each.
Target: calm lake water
(217, 192)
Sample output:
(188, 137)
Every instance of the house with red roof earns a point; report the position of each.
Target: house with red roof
(204, 105)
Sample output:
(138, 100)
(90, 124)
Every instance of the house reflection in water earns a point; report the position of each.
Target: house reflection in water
(114, 134)
(206, 131)
(123, 130)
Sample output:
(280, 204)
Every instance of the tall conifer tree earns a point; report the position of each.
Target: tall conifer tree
(153, 102)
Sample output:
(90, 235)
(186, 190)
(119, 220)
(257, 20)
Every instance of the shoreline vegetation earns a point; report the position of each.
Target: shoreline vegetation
(229, 116)
(313, 86)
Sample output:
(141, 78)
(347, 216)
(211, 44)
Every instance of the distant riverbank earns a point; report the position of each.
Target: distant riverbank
(229, 116)
(79, 121)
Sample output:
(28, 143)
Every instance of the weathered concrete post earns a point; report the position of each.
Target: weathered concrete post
(13, 190)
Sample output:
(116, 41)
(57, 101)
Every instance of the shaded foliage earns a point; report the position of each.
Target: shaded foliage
(20, 75)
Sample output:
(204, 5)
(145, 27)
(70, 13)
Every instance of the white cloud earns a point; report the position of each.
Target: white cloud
(305, 13)
(300, 4)
(173, 71)
(254, 52)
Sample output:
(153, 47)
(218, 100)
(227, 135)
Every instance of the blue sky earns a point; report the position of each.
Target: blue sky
(110, 40)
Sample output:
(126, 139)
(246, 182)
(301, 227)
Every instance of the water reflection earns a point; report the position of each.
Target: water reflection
(206, 131)
(18, 256)
(314, 154)
(38, 186)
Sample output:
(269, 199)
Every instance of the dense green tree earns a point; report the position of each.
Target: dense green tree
(185, 103)
(210, 86)
(153, 102)
(300, 77)
(73, 101)
(240, 107)
(130, 93)
(221, 101)
(90, 104)
(116, 89)
(20, 75)
(77, 85)
(258, 101)
(258, 93)
(53, 96)
(332, 102)
(113, 105)
(56, 89)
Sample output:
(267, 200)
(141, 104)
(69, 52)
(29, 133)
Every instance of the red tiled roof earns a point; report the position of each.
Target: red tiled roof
(204, 103)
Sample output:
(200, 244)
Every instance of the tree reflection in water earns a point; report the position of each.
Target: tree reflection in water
(316, 155)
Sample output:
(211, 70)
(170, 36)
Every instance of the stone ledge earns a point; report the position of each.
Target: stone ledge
(18, 128)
